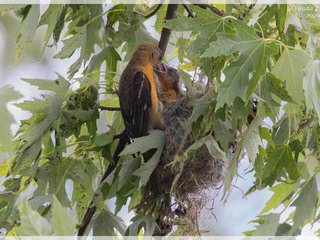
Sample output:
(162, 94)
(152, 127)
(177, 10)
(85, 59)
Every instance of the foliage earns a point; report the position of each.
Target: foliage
(260, 65)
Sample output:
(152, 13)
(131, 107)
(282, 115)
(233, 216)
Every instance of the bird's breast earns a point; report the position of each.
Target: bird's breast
(154, 98)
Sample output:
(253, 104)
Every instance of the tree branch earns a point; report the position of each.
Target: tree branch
(212, 8)
(109, 108)
(165, 34)
(154, 11)
(191, 14)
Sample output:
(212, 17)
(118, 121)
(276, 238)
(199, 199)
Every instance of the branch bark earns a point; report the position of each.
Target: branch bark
(109, 108)
(154, 11)
(166, 32)
(212, 8)
(191, 14)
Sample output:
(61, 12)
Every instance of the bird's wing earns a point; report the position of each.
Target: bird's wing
(138, 116)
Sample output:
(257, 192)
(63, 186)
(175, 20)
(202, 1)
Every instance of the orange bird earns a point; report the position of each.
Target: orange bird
(140, 108)
(139, 105)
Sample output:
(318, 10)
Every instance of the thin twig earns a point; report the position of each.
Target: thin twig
(191, 14)
(154, 11)
(212, 8)
(243, 15)
(109, 108)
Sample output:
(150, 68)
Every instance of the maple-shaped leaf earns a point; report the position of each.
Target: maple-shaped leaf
(268, 225)
(50, 18)
(44, 113)
(305, 204)
(311, 87)
(205, 25)
(62, 223)
(27, 30)
(274, 92)
(85, 38)
(279, 158)
(133, 34)
(32, 223)
(6, 94)
(289, 69)
(280, 193)
(242, 76)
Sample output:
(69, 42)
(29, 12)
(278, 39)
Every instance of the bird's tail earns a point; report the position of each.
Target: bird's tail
(123, 140)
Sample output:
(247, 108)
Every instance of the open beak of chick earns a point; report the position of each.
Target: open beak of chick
(160, 67)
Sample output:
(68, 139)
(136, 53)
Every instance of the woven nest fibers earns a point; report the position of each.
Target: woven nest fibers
(201, 172)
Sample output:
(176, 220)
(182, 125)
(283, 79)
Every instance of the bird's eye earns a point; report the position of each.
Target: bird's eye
(160, 56)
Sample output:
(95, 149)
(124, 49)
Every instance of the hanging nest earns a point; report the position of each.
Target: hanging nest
(201, 172)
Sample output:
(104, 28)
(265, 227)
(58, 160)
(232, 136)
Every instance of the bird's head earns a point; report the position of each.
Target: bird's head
(148, 54)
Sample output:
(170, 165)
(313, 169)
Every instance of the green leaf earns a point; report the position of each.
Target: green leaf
(311, 87)
(86, 37)
(214, 149)
(93, 29)
(50, 18)
(268, 225)
(133, 34)
(6, 94)
(254, 55)
(4, 168)
(305, 204)
(280, 193)
(7, 205)
(25, 159)
(27, 30)
(266, 15)
(278, 159)
(32, 224)
(103, 139)
(62, 224)
(126, 171)
(138, 222)
(154, 140)
(72, 43)
(42, 121)
(289, 68)
(273, 92)
(264, 134)
(8, 7)
(252, 140)
(143, 144)
(108, 54)
(204, 27)
(281, 15)
(60, 24)
(83, 115)
(200, 107)
(58, 86)
(286, 127)
(105, 224)
(45, 112)
(81, 195)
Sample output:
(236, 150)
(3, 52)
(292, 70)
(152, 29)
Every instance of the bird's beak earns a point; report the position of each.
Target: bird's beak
(160, 67)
